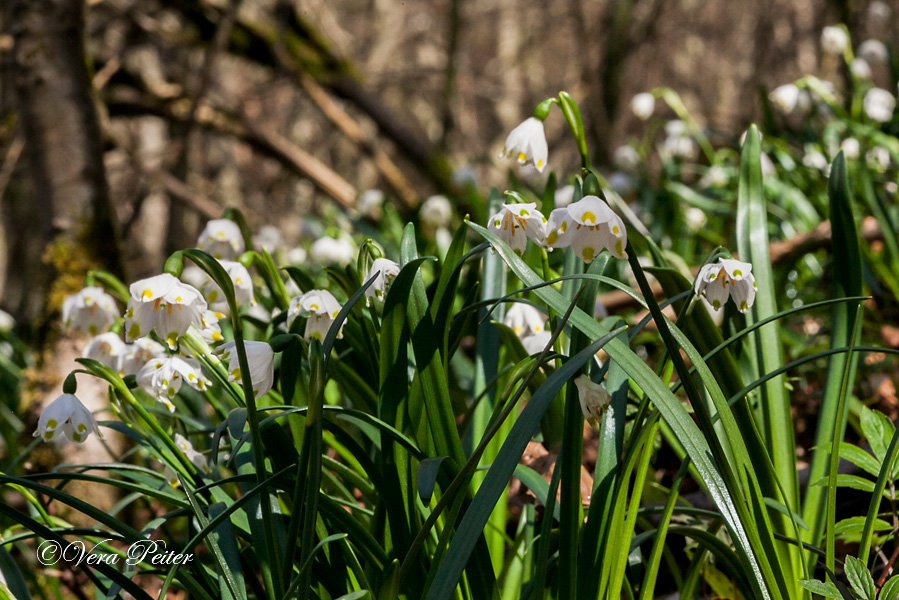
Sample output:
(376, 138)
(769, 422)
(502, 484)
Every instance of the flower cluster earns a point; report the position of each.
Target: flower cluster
(588, 226)
(725, 279)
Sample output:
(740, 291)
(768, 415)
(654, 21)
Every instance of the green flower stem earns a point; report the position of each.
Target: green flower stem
(576, 125)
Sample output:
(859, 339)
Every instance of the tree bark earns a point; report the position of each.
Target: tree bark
(70, 201)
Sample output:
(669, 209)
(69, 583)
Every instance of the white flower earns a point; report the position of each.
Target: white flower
(527, 144)
(626, 158)
(196, 458)
(879, 11)
(860, 68)
(851, 148)
(834, 39)
(66, 415)
(767, 165)
(727, 278)
(243, 287)
(537, 342)
(564, 196)
(878, 157)
(677, 143)
(814, 159)
(436, 211)
(716, 176)
(320, 308)
(260, 359)
(210, 328)
(89, 311)
(369, 203)
(588, 226)
(873, 51)
(134, 356)
(515, 223)
(222, 239)
(162, 377)
(165, 304)
(524, 320)
(386, 270)
(643, 105)
(269, 239)
(785, 97)
(695, 218)
(297, 256)
(7, 322)
(333, 251)
(593, 397)
(879, 105)
(105, 348)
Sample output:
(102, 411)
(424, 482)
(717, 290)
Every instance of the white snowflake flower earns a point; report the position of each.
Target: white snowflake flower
(386, 270)
(333, 251)
(90, 311)
(834, 39)
(260, 359)
(165, 304)
(785, 97)
(643, 105)
(66, 416)
(222, 239)
(196, 458)
(436, 211)
(725, 279)
(521, 219)
(524, 320)
(320, 308)
(879, 105)
(105, 348)
(588, 226)
(527, 144)
(134, 356)
(593, 397)
(162, 378)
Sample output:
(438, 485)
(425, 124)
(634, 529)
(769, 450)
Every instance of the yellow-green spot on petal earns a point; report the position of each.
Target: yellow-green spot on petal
(744, 306)
(48, 435)
(716, 304)
(539, 164)
(588, 217)
(148, 293)
(134, 331)
(563, 227)
(82, 428)
(51, 424)
(172, 339)
(235, 374)
(523, 213)
(93, 329)
(496, 223)
(615, 230)
(213, 295)
(76, 436)
(738, 273)
(588, 254)
(217, 337)
(552, 237)
(619, 248)
(522, 157)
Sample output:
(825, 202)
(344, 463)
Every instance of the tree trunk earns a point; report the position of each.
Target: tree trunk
(69, 209)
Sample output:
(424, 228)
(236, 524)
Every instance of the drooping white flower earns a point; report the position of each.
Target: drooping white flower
(515, 223)
(243, 287)
(878, 158)
(320, 308)
(588, 226)
(295, 256)
(626, 158)
(851, 148)
(333, 251)
(643, 105)
(860, 68)
(695, 218)
(90, 311)
(260, 359)
(537, 342)
(7, 321)
(436, 211)
(524, 320)
(386, 270)
(593, 397)
(162, 378)
(874, 51)
(210, 328)
(725, 279)
(677, 143)
(814, 159)
(66, 415)
(136, 355)
(879, 105)
(165, 304)
(105, 348)
(268, 238)
(196, 458)
(527, 144)
(716, 176)
(879, 11)
(222, 239)
(834, 39)
(785, 97)
(564, 196)
(369, 203)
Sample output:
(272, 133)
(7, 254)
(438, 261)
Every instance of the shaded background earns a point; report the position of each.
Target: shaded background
(284, 109)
